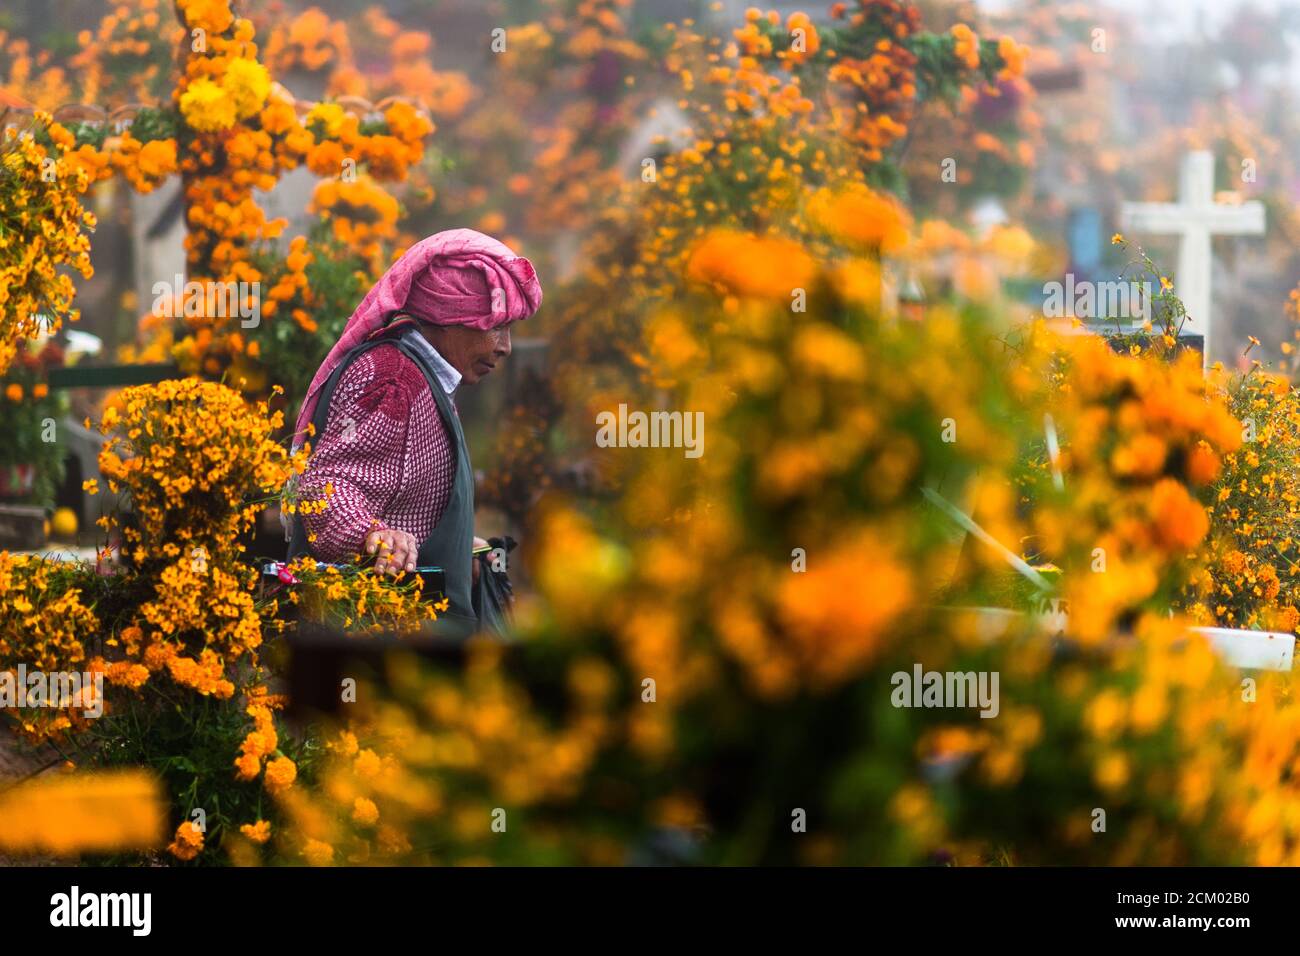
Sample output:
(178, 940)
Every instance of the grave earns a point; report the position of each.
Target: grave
(1195, 218)
(1239, 648)
(22, 527)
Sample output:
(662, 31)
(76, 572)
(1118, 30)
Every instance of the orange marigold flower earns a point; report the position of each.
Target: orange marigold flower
(280, 775)
(804, 39)
(318, 853)
(212, 15)
(1203, 464)
(157, 158)
(755, 266)
(157, 655)
(1179, 521)
(1013, 57)
(365, 812)
(967, 46)
(832, 634)
(862, 217)
(258, 832)
(1142, 456)
(187, 843)
(326, 159)
(127, 674)
(247, 766)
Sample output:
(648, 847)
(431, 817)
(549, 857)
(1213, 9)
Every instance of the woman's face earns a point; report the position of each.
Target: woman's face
(472, 352)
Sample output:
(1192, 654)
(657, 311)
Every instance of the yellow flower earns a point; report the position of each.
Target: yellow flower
(1112, 771)
(826, 351)
(207, 107)
(330, 115)
(1105, 714)
(248, 84)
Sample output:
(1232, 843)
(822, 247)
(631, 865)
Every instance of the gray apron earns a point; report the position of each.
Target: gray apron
(450, 543)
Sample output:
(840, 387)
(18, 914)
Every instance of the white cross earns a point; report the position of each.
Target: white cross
(1195, 218)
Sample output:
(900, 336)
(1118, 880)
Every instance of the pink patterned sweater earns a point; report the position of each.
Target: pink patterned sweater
(387, 453)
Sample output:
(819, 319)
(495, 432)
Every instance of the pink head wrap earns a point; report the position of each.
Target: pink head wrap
(457, 277)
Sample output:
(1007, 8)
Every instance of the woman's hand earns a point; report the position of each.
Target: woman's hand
(395, 550)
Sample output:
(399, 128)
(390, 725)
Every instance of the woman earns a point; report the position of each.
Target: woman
(388, 453)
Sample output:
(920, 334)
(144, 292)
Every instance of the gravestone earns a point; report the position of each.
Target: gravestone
(665, 129)
(22, 527)
(157, 237)
(82, 445)
(81, 448)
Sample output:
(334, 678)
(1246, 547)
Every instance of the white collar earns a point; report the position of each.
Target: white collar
(448, 377)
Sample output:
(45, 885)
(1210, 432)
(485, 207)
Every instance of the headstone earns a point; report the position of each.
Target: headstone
(157, 238)
(1251, 650)
(987, 214)
(81, 447)
(22, 527)
(665, 129)
(1242, 649)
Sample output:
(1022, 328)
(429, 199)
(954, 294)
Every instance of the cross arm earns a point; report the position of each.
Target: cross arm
(1160, 218)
